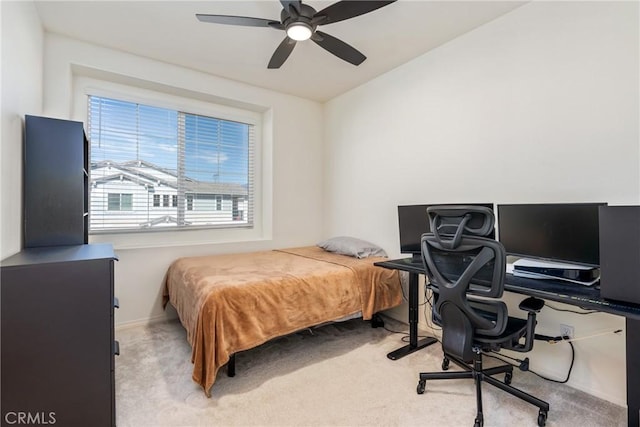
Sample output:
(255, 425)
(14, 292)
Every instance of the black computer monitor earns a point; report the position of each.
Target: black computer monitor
(413, 221)
(563, 232)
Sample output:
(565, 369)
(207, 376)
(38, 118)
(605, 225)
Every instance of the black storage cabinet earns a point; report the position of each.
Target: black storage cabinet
(55, 178)
(57, 334)
(620, 253)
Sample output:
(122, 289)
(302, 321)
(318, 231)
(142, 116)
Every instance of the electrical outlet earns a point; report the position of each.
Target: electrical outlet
(566, 331)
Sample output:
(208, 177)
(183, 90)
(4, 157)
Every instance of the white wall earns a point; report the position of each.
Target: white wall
(21, 88)
(540, 105)
(293, 189)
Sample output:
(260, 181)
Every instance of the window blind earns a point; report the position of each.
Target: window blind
(155, 168)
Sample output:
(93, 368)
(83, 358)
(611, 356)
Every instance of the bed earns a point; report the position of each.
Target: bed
(235, 302)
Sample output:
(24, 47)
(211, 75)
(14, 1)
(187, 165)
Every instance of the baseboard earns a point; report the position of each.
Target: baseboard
(578, 385)
(144, 322)
(399, 313)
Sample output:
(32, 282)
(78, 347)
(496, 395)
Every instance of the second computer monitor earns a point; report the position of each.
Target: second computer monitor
(565, 232)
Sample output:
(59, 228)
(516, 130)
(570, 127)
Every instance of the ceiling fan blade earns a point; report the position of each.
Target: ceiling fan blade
(282, 53)
(237, 20)
(347, 9)
(338, 48)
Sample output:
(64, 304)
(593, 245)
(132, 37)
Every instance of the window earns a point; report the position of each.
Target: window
(167, 168)
(119, 202)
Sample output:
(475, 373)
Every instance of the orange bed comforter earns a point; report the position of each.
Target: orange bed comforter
(231, 303)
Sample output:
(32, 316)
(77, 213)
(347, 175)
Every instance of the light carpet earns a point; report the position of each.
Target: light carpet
(335, 375)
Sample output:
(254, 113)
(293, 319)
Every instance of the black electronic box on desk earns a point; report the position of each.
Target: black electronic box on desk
(620, 253)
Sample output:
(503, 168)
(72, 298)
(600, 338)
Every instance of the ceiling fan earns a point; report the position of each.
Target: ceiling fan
(300, 22)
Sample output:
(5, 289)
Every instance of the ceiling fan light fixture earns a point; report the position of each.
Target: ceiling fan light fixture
(299, 31)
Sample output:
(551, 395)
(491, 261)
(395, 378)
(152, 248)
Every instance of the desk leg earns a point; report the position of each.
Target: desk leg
(414, 343)
(633, 372)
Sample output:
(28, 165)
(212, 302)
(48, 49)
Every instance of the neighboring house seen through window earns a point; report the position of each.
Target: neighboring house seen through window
(154, 167)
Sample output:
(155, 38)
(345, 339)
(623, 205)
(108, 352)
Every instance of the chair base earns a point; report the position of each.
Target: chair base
(479, 374)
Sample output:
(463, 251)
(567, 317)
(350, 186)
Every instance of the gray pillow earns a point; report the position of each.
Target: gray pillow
(352, 247)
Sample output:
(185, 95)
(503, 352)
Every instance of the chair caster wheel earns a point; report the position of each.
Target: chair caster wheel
(445, 364)
(421, 386)
(479, 422)
(542, 418)
(507, 378)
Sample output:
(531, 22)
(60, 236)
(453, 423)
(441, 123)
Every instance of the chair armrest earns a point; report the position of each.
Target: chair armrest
(532, 305)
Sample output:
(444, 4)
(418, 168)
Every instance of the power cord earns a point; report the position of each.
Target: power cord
(523, 365)
(570, 311)
(405, 335)
(598, 334)
(554, 340)
(428, 301)
(403, 281)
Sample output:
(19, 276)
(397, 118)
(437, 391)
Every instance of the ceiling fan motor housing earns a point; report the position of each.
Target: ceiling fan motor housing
(303, 16)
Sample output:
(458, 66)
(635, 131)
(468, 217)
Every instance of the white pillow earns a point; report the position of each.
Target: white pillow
(351, 246)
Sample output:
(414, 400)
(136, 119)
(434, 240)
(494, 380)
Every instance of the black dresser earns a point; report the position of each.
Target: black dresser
(57, 333)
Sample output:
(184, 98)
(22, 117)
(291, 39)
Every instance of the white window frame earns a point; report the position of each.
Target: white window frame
(259, 117)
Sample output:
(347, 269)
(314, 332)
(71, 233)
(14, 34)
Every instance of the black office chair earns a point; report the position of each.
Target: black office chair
(462, 264)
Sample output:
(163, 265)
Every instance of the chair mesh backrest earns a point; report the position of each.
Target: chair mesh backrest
(461, 262)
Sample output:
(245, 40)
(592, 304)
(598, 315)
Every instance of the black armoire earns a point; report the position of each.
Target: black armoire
(57, 295)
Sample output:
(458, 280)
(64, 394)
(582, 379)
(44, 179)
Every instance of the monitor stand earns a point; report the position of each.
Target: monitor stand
(416, 258)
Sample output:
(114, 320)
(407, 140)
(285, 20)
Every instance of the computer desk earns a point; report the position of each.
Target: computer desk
(582, 296)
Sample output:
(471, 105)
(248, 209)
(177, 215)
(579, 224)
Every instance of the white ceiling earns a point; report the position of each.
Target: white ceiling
(169, 31)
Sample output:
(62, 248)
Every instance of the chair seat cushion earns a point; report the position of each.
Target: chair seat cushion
(514, 330)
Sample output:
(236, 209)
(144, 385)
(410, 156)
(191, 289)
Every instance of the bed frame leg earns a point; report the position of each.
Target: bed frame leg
(231, 366)
(377, 321)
